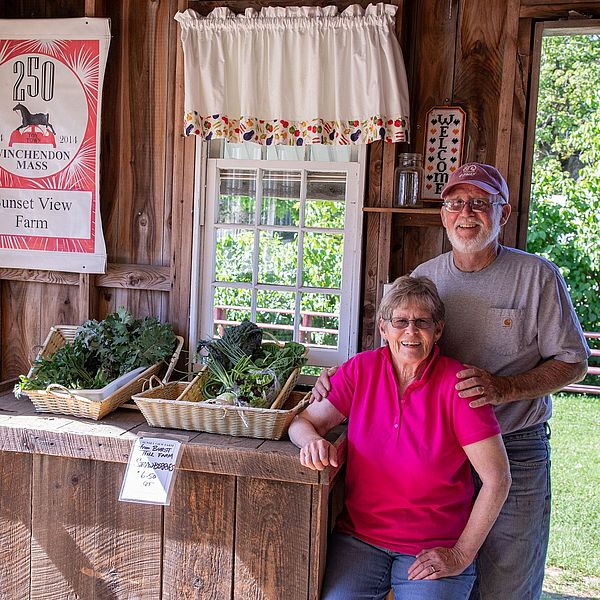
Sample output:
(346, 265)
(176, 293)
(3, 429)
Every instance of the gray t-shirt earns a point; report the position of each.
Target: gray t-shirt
(507, 319)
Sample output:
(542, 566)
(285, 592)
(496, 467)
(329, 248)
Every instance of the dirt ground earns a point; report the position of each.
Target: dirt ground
(559, 585)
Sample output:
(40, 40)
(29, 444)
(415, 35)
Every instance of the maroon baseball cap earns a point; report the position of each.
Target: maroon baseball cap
(483, 176)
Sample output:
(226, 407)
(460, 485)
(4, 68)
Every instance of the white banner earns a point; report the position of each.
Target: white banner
(51, 73)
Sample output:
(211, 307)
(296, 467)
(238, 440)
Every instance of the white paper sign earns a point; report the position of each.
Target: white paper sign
(150, 472)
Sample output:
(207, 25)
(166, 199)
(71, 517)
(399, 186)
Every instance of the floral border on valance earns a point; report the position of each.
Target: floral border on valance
(296, 133)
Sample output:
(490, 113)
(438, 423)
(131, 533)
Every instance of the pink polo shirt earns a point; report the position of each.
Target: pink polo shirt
(408, 480)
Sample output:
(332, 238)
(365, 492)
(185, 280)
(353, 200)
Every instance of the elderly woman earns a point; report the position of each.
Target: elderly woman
(409, 521)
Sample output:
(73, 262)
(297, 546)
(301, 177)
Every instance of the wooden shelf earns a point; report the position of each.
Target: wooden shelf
(390, 209)
(410, 217)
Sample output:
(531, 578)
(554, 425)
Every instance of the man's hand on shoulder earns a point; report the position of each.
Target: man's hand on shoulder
(322, 385)
(484, 387)
(548, 377)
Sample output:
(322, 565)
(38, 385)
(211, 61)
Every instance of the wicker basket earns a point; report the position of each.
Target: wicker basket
(180, 406)
(58, 399)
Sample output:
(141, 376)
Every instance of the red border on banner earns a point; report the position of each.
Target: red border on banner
(80, 173)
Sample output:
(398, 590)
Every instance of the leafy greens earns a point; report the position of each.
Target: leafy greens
(102, 351)
(244, 371)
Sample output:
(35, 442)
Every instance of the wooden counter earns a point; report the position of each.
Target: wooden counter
(246, 520)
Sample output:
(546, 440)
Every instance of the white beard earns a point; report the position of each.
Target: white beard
(481, 241)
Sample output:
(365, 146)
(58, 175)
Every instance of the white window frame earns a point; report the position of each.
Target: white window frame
(206, 194)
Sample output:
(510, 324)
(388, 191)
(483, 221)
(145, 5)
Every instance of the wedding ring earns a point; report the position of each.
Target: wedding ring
(432, 569)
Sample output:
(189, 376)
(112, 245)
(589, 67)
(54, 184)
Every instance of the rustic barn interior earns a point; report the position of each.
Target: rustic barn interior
(477, 54)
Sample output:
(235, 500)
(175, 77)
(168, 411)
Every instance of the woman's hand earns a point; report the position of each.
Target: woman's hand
(318, 454)
(438, 562)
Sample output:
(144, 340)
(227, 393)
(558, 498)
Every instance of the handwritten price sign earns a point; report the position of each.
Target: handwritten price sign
(150, 472)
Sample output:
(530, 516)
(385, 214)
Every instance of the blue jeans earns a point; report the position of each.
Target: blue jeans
(511, 562)
(359, 571)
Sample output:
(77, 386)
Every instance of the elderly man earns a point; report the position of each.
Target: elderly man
(510, 320)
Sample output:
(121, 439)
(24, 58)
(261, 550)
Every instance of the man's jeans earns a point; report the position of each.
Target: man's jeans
(359, 571)
(511, 562)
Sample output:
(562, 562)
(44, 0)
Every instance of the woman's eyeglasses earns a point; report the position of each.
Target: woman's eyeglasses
(476, 204)
(399, 323)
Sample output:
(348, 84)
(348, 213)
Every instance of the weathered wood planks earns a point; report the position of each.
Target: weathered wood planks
(15, 525)
(85, 543)
(199, 538)
(246, 521)
(272, 540)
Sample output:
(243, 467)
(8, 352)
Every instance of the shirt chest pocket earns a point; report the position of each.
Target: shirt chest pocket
(506, 330)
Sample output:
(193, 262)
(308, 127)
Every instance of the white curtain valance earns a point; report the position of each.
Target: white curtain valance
(295, 75)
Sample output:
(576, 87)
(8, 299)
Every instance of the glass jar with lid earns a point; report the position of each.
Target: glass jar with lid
(408, 179)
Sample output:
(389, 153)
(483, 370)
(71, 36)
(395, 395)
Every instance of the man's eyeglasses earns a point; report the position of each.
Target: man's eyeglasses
(477, 204)
(399, 323)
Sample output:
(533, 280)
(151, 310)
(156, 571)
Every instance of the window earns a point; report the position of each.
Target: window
(278, 243)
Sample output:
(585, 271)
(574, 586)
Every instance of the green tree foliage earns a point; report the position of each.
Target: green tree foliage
(565, 221)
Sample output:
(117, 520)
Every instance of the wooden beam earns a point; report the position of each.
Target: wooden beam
(573, 27)
(83, 300)
(512, 230)
(530, 132)
(26, 434)
(549, 9)
(38, 276)
(371, 245)
(505, 108)
(180, 186)
(140, 277)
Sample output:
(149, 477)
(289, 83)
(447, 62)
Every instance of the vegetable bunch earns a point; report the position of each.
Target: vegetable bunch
(245, 372)
(102, 351)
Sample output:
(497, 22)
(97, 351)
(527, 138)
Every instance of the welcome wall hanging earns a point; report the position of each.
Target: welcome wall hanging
(443, 148)
(51, 73)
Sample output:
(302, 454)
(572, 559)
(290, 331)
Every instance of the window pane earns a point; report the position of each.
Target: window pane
(276, 211)
(233, 255)
(276, 308)
(230, 307)
(322, 249)
(312, 370)
(278, 257)
(237, 196)
(279, 333)
(325, 200)
(281, 198)
(319, 319)
(324, 213)
(326, 185)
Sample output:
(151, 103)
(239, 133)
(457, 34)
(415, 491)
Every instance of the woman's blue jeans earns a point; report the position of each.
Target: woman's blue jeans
(510, 565)
(359, 571)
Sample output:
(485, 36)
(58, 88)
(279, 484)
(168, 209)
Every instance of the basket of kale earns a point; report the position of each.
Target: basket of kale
(90, 370)
(245, 388)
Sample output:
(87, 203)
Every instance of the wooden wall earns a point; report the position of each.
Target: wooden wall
(474, 53)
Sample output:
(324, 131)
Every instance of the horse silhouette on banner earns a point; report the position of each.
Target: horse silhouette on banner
(29, 123)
